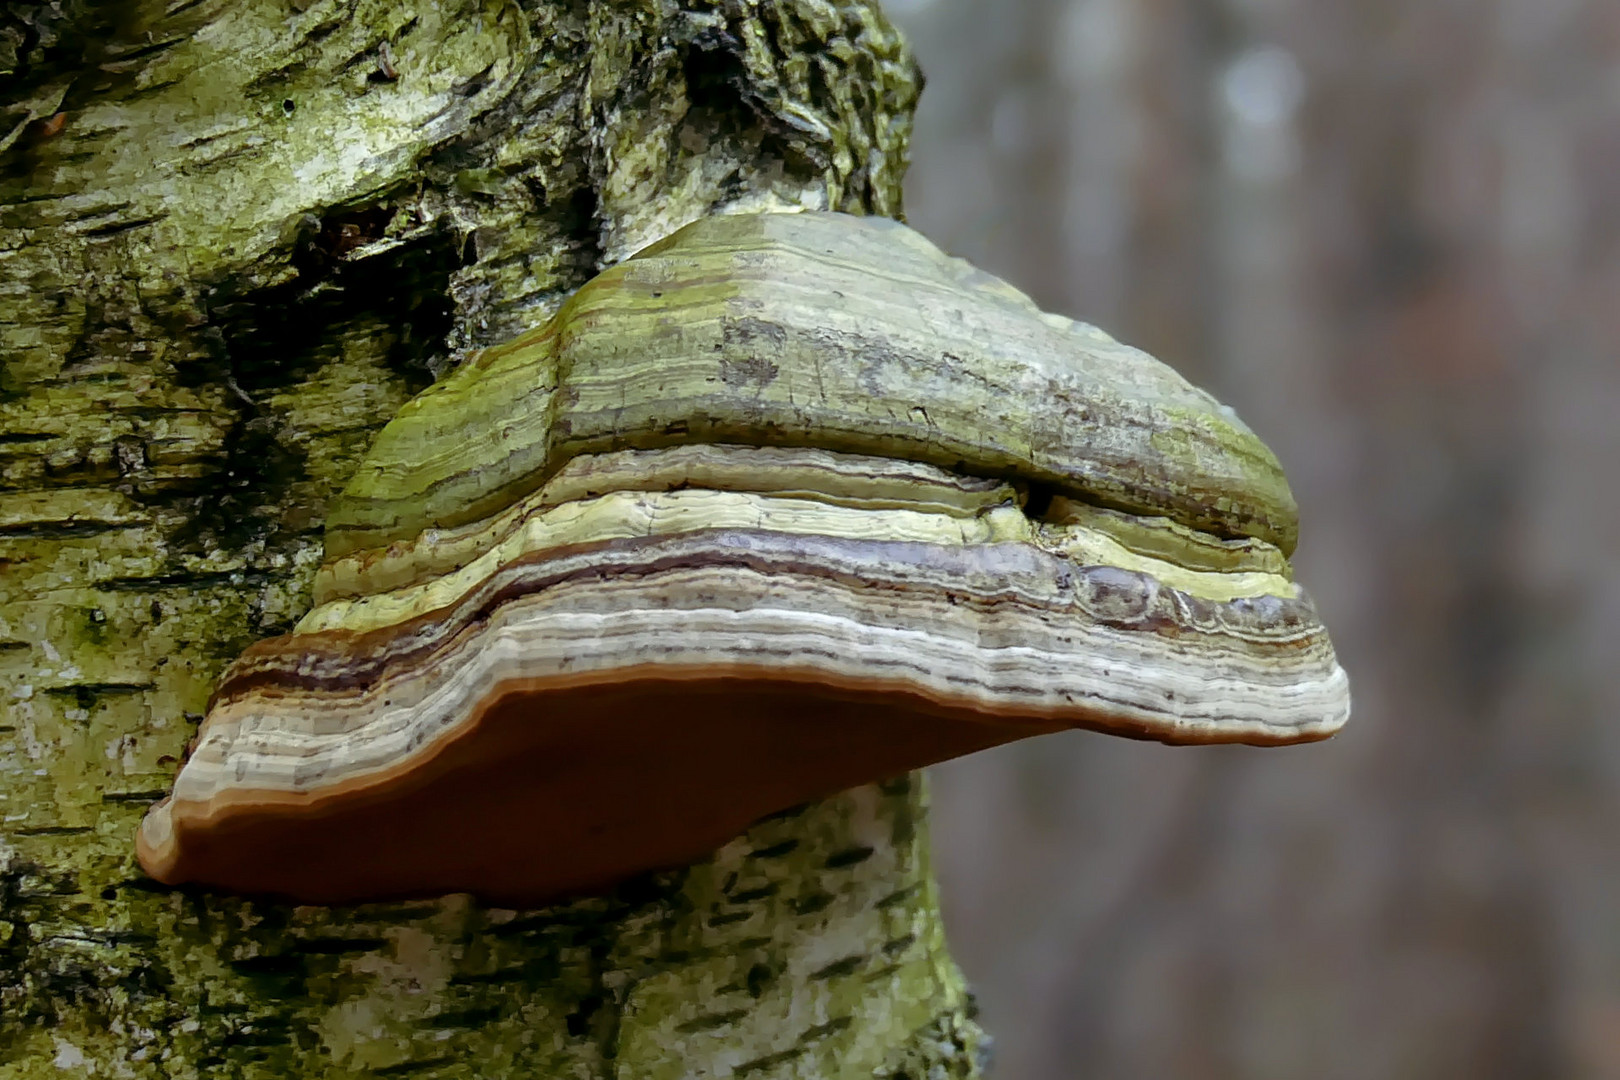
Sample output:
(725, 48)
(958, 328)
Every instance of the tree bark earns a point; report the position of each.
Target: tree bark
(235, 235)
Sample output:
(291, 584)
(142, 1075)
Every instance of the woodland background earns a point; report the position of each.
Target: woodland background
(1388, 233)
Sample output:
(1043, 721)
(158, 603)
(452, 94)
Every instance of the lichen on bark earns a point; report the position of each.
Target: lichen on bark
(234, 238)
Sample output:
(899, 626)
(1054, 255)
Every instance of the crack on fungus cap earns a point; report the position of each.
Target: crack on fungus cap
(785, 504)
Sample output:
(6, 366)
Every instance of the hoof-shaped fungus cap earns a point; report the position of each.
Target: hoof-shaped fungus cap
(784, 504)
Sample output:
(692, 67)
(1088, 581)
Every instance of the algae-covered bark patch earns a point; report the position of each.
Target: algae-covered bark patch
(183, 386)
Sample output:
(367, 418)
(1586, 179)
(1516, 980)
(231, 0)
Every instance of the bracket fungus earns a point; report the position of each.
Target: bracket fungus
(783, 504)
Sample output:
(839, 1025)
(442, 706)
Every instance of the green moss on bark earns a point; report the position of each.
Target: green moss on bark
(234, 239)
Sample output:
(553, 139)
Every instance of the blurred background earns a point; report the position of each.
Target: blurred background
(1388, 233)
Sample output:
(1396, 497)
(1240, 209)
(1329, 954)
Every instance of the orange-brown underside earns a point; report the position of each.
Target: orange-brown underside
(552, 793)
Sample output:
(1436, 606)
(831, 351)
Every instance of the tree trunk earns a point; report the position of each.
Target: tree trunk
(235, 235)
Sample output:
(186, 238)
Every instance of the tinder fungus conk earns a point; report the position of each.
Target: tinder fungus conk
(784, 504)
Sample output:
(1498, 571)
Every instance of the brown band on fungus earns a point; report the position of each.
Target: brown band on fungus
(836, 480)
(518, 812)
(961, 582)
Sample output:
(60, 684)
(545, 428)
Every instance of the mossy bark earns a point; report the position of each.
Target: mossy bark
(235, 235)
